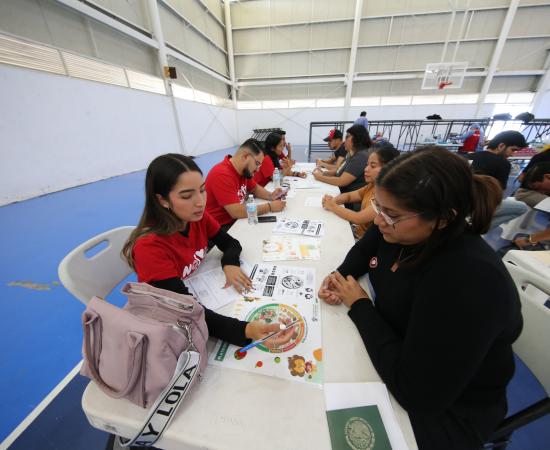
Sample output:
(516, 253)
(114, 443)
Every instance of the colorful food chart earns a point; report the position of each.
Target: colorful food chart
(300, 356)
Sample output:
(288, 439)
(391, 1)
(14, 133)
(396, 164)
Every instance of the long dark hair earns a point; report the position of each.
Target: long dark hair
(162, 175)
(272, 140)
(440, 186)
(361, 137)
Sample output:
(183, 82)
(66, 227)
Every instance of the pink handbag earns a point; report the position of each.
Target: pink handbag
(148, 352)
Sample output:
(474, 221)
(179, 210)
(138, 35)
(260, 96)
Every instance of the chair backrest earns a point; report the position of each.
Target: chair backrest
(532, 345)
(99, 274)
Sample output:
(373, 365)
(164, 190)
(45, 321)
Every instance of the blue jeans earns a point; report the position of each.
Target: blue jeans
(508, 210)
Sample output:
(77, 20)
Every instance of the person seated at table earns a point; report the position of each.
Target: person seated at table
(273, 149)
(229, 182)
(542, 156)
(445, 312)
(379, 156)
(171, 240)
(535, 186)
(336, 144)
(350, 175)
(494, 162)
(472, 140)
(288, 147)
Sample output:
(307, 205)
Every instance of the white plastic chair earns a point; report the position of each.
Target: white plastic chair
(532, 345)
(99, 274)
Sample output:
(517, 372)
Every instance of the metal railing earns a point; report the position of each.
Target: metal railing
(406, 135)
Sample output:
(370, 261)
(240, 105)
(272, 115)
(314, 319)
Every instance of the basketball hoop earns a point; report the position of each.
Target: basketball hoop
(439, 76)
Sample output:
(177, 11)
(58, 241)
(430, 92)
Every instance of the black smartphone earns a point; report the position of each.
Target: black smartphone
(263, 219)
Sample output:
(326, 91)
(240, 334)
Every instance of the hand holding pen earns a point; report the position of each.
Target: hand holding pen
(272, 335)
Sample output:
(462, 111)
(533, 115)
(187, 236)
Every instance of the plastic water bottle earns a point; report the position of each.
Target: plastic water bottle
(276, 178)
(251, 210)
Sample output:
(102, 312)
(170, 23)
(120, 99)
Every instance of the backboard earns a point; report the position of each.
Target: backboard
(444, 75)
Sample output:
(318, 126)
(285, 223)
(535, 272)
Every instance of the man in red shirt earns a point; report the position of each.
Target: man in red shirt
(472, 140)
(229, 182)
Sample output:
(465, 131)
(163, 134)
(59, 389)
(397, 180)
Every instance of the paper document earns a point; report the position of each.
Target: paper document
(305, 227)
(289, 248)
(208, 288)
(303, 183)
(360, 415)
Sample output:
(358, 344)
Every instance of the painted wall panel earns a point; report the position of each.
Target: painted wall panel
(134, 11)
(60, 132)
(524, 54)
(52, 24)
(265, 12)
(531, 21)
(514, 84)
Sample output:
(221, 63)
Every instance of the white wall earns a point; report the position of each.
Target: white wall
(296, 121)
(58, 132)
(206, 128)
(543, 110)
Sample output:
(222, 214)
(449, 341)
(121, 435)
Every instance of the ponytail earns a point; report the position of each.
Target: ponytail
(486, 196)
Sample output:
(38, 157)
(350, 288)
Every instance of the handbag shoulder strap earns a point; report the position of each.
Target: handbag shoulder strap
(167, 403)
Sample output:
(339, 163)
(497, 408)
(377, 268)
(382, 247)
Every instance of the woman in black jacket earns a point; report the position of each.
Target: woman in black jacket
(446, 312)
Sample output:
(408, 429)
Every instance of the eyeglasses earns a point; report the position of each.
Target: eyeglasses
(258, 163)
(388, 219)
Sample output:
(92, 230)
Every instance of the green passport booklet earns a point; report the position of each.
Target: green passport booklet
(357, 429)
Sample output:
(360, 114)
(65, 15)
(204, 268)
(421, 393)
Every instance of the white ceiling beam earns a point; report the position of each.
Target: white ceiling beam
(230, 56)
(274, 82)
(543, 86)
(175, 53)
(181, 17)
(510, 14)
(352, 56)
(448, 37)
(419, 74)
(392, 44)
(211, 13)
(158, 35)
(107, 19)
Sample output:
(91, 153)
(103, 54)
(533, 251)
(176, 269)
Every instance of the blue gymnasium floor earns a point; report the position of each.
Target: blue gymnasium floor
(41, 321)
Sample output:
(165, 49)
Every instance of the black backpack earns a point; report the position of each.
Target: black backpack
(503, 116)
(526, 117)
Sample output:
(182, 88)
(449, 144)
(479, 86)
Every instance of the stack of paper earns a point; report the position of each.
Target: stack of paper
(304, 227)
(360, 415)
(287, 248)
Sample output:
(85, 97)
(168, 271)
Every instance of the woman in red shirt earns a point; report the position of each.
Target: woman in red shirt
(171, 240)
(273, 150)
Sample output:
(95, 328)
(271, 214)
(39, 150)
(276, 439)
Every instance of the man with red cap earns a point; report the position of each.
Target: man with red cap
(336, 143)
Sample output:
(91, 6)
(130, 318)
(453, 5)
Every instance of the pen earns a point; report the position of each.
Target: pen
(262, 340)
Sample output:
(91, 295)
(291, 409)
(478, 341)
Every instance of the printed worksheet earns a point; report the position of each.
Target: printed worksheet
(208, 288)
(305, 227)
(290, 248)
(283, 295)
